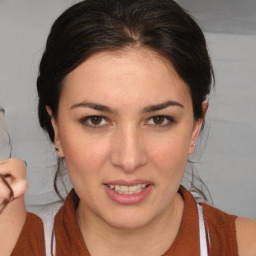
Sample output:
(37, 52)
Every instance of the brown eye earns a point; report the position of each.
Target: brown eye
(96, 120)
(158, 120)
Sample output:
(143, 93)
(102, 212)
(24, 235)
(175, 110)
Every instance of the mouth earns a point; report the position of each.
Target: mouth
(128, 190)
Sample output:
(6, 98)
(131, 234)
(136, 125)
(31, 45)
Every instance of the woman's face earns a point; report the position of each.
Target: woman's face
(125, 127)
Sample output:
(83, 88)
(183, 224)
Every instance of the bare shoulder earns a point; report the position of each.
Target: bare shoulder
(246, 236)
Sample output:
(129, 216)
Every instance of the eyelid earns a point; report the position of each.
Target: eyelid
(84, 121)
(171, 120)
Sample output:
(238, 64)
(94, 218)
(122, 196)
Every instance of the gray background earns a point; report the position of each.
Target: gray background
(228, 161)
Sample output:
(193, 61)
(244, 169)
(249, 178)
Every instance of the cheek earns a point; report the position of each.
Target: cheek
(84, 155)
(170, 153)
(85, 160)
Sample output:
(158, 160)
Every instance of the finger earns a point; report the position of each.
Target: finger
(14, 173)
(13, 167)
(6, 193)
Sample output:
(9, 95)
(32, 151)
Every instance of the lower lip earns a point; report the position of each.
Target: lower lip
(128, 199)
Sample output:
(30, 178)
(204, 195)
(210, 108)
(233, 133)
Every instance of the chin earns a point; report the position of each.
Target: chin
(128, 220)
(128, 224)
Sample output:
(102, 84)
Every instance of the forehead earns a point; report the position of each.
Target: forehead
(133, 76)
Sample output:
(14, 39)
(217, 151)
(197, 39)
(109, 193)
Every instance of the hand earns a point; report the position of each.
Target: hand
(13, 183)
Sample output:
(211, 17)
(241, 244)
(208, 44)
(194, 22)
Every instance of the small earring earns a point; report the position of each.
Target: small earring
(57, 150)
(193, 144)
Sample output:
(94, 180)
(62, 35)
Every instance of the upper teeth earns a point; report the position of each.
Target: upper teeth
(128, 189)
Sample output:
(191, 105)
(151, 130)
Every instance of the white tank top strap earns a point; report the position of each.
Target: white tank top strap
(202, 232)
(48, 234)
(47, 215)
(53, 244)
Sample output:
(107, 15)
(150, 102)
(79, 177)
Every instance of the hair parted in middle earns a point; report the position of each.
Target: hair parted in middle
(92, 26)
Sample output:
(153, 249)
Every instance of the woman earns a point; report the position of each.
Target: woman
(122, 94)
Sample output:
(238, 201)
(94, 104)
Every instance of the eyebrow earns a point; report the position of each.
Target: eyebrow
(148, 109)
(160, 106)
(95, 106)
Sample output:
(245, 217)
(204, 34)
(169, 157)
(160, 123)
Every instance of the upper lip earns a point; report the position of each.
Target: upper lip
(128, 182)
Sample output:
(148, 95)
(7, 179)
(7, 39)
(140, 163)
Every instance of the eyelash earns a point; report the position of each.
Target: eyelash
(168, 119)
(84, 121)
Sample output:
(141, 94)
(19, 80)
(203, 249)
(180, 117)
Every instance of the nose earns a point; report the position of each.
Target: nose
(128, 152)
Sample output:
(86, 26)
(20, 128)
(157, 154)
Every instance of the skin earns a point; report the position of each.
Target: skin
(127, 144)
(13, 216)
(246, 236)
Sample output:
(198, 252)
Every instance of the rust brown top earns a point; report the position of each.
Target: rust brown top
(31, 239)
(69, 240)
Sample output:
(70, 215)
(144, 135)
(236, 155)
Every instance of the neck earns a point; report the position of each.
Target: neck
(155, 238)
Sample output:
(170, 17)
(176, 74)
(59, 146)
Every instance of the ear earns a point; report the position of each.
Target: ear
(197, 128)
(57, 141)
